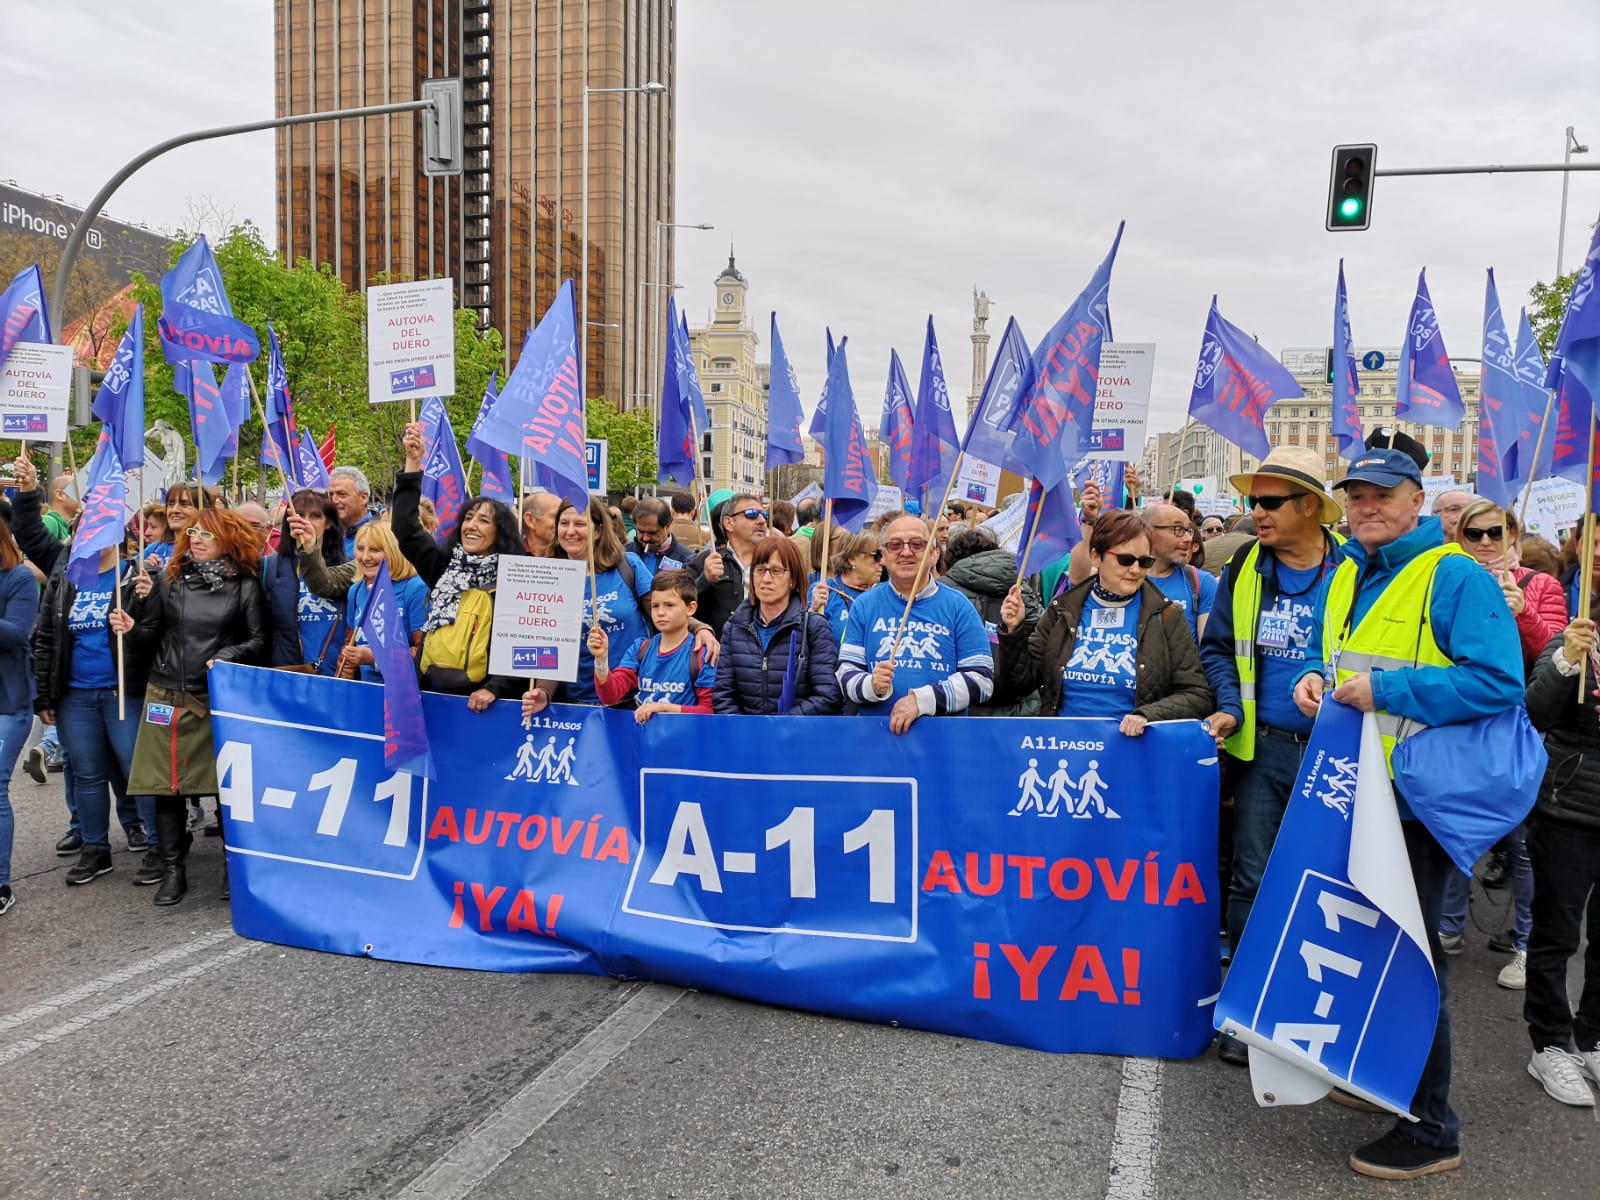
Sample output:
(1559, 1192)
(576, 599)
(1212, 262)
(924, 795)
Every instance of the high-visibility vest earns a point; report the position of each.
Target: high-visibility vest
(1246, 618)
(1395, 633)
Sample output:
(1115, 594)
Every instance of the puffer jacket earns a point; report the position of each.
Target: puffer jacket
(1571, 727)
(985, 578)
(750, 679)
(52, 644)
(187, 625)
(1171, 685)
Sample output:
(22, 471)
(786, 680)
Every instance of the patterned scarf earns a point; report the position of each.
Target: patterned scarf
(464, 572)
(212, 575)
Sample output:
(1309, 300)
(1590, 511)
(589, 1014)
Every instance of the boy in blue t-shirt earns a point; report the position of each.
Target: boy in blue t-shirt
(670, 675)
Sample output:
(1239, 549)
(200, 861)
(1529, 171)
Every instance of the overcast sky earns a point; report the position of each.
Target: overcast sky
(873, 161)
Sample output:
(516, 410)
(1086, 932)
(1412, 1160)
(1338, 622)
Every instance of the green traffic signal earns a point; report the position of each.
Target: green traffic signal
(1350, 207)
(1350, 182)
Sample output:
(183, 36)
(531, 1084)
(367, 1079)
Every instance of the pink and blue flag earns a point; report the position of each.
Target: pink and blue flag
(209, 422)
(444, 481)
(197, 322)
(783, 408)
(1530, 457)
(24, 315)
(1574, 369)
(119, 404)
(1235, 382)
(1499, 402)
(539, 415)
(1426, 390)
(1346, 384)
(313, 472)
(897, 425)
(1051, 527)
(405, 735)
(278, 434)
(935, 444)
(849, 480)
(496, 482)
(992, 431)
(104, 513)
(1110, 477)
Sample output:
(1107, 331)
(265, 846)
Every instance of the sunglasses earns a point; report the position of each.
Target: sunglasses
(875, 555)
(916, 547)
(1493, 532)
(1273, 503)
(1143, 561)
(200, 535)
(751, 514)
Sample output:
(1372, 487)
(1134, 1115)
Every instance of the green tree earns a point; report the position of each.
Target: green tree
(1547, 305)
(631, 444)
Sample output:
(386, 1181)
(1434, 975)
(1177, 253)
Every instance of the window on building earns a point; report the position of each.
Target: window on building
(716, 387)
(705, 442)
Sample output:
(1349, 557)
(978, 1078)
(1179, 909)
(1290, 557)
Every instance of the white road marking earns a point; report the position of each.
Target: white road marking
(1136, 1143)
(475, 1157)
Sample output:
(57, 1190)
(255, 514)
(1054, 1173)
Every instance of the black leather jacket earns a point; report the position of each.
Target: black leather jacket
(189, 625)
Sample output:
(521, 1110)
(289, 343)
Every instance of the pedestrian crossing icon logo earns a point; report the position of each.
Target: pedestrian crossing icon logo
(1083, 798)
(545, 764)
(1339, 785)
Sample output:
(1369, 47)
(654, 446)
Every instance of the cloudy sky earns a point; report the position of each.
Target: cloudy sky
(873, 160)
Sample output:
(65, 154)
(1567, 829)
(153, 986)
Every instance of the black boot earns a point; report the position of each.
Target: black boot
(174, 841)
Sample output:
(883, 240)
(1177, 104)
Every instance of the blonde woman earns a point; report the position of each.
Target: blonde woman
(376, 545)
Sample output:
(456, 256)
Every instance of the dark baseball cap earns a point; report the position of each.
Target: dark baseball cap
(1382, 468)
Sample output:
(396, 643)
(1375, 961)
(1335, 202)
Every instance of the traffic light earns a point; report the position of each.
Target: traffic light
(1330, 365)
(442, 151)
(1350, 187)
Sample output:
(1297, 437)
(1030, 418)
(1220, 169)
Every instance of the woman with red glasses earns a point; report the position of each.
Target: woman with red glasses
(1111, 646)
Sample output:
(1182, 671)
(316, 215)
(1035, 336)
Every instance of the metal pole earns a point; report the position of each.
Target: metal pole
(1573, 147)
(583, 321)
(1513, 168)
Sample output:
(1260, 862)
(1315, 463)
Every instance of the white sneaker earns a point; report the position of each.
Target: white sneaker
(1559, 1073)
(1591, 1063)
(1514, 974)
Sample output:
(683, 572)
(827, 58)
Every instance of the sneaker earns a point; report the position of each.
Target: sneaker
(149, 872)
(70, 844)
(55, 764)
(138, 839)
(33, 764)
(7, 899)
(1398, 1155)
(1452, 943)
(1591, 1063)
(1504, 942)
(91, 865)
(1560, 1073)
(1514, 974)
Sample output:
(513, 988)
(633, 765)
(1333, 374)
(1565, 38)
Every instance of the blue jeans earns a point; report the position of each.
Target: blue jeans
(14, 729)
(1261, 793)
(1437, 1123)
(1521, 887)
(1453, 905)
(101, 750)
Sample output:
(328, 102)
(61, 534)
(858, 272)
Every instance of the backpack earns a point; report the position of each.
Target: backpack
(458, 654)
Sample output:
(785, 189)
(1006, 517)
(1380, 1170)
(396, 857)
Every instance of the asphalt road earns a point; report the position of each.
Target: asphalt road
(150, 1052)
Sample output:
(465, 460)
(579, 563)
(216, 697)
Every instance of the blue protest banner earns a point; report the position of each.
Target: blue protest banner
(495, 482)
(1522, 464)
(935, 445)
(1346, 383)
(991, 431)
(1235, 382)
(896, 426)
(1425, 387)
(100, 524)
(444, 480)
(119, 404)
(24, 315)
(783, 408)
(1030, 881)
(1500, 393)
(197, 322)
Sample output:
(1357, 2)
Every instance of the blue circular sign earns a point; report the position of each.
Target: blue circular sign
(1372, 360)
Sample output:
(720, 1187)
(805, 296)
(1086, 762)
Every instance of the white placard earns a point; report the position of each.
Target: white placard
(1006, 525)
(1564, 503)
(538, 617)
(35, 390)
(889, 499)
(1434, 486)
(811, 491)
(1205, 485)
(978, 482)
(1122, 401)
(411, 340)
(1214, 506)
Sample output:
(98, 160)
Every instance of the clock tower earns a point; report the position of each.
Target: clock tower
(731, 289)
(735, 387)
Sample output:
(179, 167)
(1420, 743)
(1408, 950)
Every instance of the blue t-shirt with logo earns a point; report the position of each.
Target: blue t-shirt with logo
(316, 618)
(841, 596)
(94, 664)
(621, 616)
(1282, 634)
(668, 678)
(944, 635)
(1101, 678)
(410, 597)
(1181, 588)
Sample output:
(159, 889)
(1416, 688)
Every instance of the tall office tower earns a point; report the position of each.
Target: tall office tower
(508, 230)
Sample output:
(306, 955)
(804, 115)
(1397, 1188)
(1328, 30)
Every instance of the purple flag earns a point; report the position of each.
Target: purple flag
(197, 322)
(119, 404)
(24, 316)
(1536, 405)
(104, 512)
(1426, 390)
(1051, 527)
(849, 480)
(676, 459)
(539, 416)
(443, 479)
(405, 736)
(1054, 412)
(783, 408)
(895, 429)
(496, 483)
(1235, 382)
(279, 435)
(992, 430)
(1346, 385)
(1499, 398)
(935, 444)
(313, 472)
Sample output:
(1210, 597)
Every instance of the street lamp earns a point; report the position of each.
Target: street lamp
(655, 311)
(649, 89)
(1573, 147)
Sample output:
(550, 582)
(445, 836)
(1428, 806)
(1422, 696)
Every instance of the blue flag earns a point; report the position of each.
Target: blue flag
(197, 322)
(24, 316)
(895, 429)
(1110, 477)
(992, 430)
(209, 422)
(104, 514)
(1051, 527)
(1575, 359)
(1235, 382)
(313, 471)
(689, 378)
(496, 483)
(1346, 384)
(1536, 407)
(1054, 412)
(849, 480)
(405, 735)
(821, 413)
(935, 444)
(539, 415)
(444, 481)
(119, 404)
(1426, 390)
(279, 435)
(235, 404)
(676, 460)
(783, 408)
(1499, 402)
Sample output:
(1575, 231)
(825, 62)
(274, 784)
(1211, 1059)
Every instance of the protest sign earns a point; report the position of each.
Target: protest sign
(538, 617)
(1563, 502)
(1042, 882)
(889, 499)
(411, 340)
(978, 482)
(1434, 486)
(1122, 400)
(35, 387)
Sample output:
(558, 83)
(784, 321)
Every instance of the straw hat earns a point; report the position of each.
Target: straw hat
(1300, 467)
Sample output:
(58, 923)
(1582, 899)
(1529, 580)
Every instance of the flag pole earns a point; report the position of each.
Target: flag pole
(261, 411)
(1586, 567)
(116, 595)
(1027, 546)
(1538, 449)
(927, 555)
(827, 530)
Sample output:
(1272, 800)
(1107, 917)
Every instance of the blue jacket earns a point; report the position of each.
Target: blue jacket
(280, 581)
(19, 608)
(1471, 623)
(750, 679)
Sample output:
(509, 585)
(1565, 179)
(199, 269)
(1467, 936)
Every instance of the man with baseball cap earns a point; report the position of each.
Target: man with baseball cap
(1254, 647)
(1410, 628)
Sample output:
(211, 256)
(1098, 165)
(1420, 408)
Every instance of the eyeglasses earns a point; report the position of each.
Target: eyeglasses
(875, 555)
(769, 572)
(1273, 503)
(1178, 530)
(751, 514)
(1144, 561)
(917, 546)
(200, 535)
(1493, 532)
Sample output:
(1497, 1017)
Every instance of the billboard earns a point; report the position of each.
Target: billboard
(114, 247)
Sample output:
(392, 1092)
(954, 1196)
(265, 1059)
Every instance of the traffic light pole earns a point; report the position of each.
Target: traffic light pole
(1486, 170)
